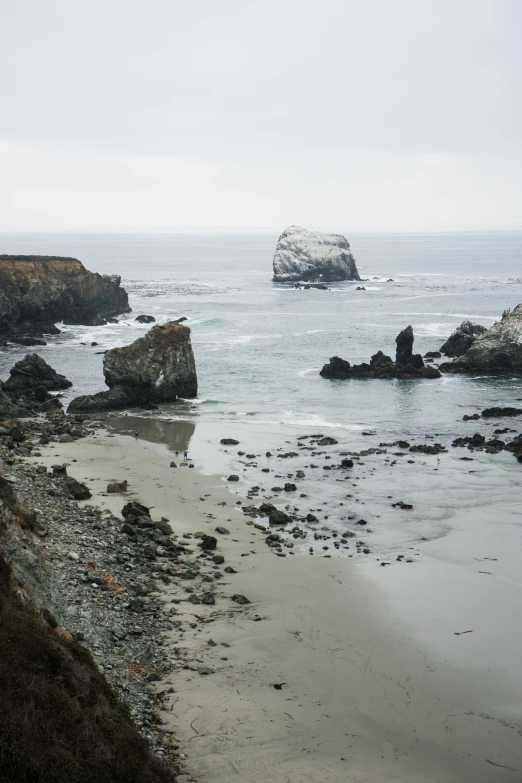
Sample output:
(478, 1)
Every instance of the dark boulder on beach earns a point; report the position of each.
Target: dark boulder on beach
(462, 338)
(134, 509)
(158, 367)
(278, 518)
(495, 351)
(75, 489)
(306, 256)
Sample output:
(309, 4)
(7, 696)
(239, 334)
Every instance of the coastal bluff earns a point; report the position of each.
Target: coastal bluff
(310, 256)
(158, 367)
(37, 291)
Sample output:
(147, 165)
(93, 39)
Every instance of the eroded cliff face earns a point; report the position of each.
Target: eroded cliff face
(158, 367)
(303, 255)
(37, 291)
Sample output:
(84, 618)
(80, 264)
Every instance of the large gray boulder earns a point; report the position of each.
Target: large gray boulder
(462, 339)
(158, 367)
(497, 350)
(303, 255)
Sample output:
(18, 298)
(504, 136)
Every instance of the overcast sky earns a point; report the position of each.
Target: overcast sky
(382, 115)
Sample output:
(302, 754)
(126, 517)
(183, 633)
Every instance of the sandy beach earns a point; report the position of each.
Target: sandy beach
(373, 684)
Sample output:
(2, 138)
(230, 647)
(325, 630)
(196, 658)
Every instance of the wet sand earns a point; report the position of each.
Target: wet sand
(375, 686)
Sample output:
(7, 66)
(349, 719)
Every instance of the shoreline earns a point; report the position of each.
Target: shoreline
(327, 630)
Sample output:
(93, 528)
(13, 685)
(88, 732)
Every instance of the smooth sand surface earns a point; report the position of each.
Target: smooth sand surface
(375, 686)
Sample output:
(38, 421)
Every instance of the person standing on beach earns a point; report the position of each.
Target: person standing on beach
(185, 454)
(135, 433)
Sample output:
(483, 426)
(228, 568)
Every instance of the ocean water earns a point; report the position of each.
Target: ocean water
(259, 346)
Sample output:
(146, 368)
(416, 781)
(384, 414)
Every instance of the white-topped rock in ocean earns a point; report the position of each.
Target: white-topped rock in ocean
(310, 256)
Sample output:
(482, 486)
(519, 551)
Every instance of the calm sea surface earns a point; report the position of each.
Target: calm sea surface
(259, 346)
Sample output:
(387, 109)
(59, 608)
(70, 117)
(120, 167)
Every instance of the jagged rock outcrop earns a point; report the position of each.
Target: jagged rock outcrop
(496, 351)
(27, 389)
(37, 291)
(462, 338)
(158, 367)
(33, 377)
(303, 255)
(407, 364)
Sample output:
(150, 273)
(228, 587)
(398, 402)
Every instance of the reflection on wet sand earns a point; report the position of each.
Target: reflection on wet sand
(176, 435)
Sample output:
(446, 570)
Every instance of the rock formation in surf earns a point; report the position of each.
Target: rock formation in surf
(158, 367)
(496, 351)
(37, 291)
(406, 365)
(26, 391)
(303, 255)
(462, 338)
(33, 377)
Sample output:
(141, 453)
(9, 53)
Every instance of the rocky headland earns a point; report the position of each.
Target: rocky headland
(37, 291)
(406, 364)
(493, 351)
(310, 256)
(462, 339)
(156, 368)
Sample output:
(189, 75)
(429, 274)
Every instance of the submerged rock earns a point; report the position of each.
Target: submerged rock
(303, 255)
(158, 367)
(496, 351)
(462, 338)
(145, 319)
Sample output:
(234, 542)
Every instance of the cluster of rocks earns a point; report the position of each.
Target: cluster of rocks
(479, 442)
(75, 565)
(284, 529)
(156, 368)
(99, 578)
(477, 350)
(37, 291)
(406, 364)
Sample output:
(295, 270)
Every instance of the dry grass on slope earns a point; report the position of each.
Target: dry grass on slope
(60, 722)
